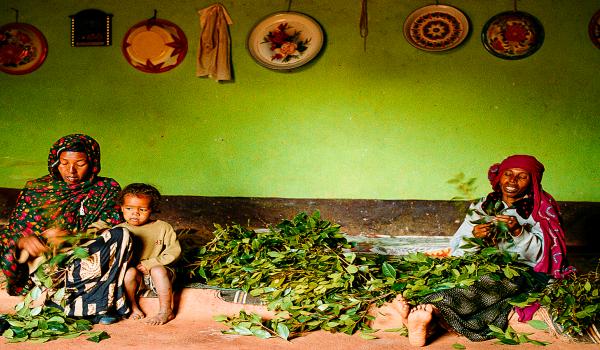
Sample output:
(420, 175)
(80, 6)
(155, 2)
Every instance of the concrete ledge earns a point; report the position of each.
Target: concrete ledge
(357, 216)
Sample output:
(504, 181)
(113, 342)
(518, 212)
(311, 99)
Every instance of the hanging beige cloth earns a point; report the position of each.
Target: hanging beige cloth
(214, 58)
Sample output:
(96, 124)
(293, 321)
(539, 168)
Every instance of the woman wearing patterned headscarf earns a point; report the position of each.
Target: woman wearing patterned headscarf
(71, 199)
(518, 217)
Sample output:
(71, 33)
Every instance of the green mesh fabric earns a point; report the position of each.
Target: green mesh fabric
(470, 310)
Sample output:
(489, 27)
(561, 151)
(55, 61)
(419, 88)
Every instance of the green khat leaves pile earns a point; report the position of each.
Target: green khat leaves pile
(43, 323)
(35, 320)
(304, 272)
(574, 302)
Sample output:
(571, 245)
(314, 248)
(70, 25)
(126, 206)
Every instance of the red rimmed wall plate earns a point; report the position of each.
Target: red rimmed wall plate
(23, 48)
(594, 29)
(512, 35)
(154, 46)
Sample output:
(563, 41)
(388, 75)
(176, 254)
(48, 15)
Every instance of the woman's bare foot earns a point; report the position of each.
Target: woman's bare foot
(403, 308)
(419, 324)
(137, 314)
(160, 318)
(391, 315)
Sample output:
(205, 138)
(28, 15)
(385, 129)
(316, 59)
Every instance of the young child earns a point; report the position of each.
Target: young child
(155, 246)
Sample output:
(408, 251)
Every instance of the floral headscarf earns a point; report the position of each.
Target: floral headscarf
(545, 211)
(51, 202)
(76, 143)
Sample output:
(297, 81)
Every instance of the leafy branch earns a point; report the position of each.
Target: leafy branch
(499, 229)
(574, 302)
(40, 316)
(511, 337)
(465, 187)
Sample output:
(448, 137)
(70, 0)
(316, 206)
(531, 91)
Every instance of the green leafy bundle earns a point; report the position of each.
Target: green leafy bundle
(43, 323)
(303, 271)
(511, 337)
(37, 322)
(499, 229)
(298, 268)
(574, 302)
(466, 187)
(420, 275)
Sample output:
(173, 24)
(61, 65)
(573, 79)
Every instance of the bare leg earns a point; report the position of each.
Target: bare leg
(162, 283)
(420, 324)
(131, 282)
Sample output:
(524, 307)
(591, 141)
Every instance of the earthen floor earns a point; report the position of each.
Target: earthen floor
(193, 328)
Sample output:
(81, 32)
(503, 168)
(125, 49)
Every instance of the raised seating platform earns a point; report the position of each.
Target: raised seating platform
(366, 217)
(356, 216)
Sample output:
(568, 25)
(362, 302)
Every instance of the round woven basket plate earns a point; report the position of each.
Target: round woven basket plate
(512, 35)
(285, 40)
(154, 46)
(594, 29)
(23, 48)
(436, 28)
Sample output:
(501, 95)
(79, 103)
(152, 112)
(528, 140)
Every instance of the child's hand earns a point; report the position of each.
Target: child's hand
(141, 268)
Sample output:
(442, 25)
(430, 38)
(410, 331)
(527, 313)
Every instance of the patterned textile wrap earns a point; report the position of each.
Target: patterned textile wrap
(50, 202)
(95, 284)
(469, 311)
(545, 211)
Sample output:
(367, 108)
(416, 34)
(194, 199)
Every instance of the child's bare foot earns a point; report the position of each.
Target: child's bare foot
(160, 318)
(419, 324)
(137, 314)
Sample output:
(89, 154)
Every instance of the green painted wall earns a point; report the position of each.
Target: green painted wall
(393, 122)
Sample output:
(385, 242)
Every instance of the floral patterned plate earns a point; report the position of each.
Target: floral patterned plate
(594, 29)
(23, 48)
(285, 40)
(154, 46)
(512, 35)
(436, 28)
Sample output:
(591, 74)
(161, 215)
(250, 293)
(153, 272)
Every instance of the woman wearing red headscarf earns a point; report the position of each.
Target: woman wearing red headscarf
(530, 213)
(518, 217)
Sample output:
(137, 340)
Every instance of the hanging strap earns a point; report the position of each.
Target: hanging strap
(16, 14)
(364, 23)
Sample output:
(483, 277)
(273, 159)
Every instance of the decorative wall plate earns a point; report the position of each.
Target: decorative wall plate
(594, 29)
(23, 48)
(436, 28)
(512, 35)
(285, 40)
(154, 46)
